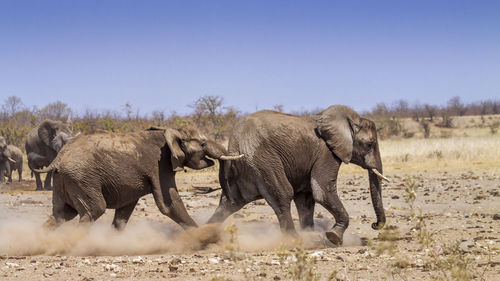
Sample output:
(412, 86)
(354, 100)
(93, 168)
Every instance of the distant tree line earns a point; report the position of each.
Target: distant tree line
(215, 119)
(454, 107)
(388, 117)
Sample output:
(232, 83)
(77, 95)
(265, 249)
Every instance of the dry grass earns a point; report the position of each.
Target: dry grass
(455, 153)
(468, 146)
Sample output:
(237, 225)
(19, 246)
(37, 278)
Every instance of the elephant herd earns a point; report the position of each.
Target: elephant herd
(272, 156)
(42, 145)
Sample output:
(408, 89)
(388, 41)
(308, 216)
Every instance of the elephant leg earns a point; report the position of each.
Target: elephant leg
(10, 176)
(48, 181)
(38, 181)
(5, 171)
(278, 193)
(173, 202)
(90, 214)
(324, 188)
(178, 211)
(304, 202)
(225, 209)
(20, 173)
(61, 211)
(123, 214)
(86, 199)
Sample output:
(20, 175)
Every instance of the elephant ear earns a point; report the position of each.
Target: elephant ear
(176, 154)
(47, 132)
(336, 126)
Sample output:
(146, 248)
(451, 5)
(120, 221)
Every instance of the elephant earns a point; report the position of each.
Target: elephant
(298, 158)
(102, 171)
(5, 159)
(16, 162)
(42, 145)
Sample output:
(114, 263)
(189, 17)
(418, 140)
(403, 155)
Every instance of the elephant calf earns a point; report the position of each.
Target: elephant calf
(16, 162)
(113, 170)
(5, 159)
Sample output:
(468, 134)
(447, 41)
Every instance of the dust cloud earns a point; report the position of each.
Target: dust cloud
(24, 236)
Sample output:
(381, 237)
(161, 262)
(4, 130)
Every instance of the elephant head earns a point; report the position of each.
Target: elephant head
(54, 134)
(5, 157)
(190, 148)
(353, 139)
(4, 151)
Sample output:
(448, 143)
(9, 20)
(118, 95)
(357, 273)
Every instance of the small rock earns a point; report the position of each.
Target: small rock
(496, 217)
(395, 197)
(213, 260)
(316, 254)
(11, 264)
(173, 268)
(138, 260)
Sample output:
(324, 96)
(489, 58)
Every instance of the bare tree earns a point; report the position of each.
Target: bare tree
(158, 116)
(55, 110)
(401, 108)
(278, 107)
(456, 107)
(127, 108)
(430, 111)
(208, 114)
(12, 105)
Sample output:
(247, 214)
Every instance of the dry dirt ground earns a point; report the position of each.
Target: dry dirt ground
(452, 234)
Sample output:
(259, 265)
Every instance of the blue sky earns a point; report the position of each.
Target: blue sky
(162, 55)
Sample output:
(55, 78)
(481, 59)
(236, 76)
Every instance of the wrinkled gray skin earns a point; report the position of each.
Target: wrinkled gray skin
(4, 159)
(113, 170)
(42, 145)
(17, 155)
(298, 158)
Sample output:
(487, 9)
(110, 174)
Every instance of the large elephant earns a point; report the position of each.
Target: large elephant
(297, 158)
(42, 145)
(5, 159)
(113, 170)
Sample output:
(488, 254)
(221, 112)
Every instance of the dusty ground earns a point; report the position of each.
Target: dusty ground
(457, 206)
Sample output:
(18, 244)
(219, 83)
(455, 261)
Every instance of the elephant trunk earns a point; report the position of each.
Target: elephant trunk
(214, 150)
(376, 193)
(217, 151)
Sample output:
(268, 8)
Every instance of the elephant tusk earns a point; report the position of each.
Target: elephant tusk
(231, 157)
(11, 160)
(380, 175)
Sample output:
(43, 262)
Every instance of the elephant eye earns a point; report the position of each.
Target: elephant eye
(370, 144)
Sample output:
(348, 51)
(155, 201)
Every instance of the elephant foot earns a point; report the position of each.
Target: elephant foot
(334, 237)
(39, 189)
(48, 188)
(50, 223)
